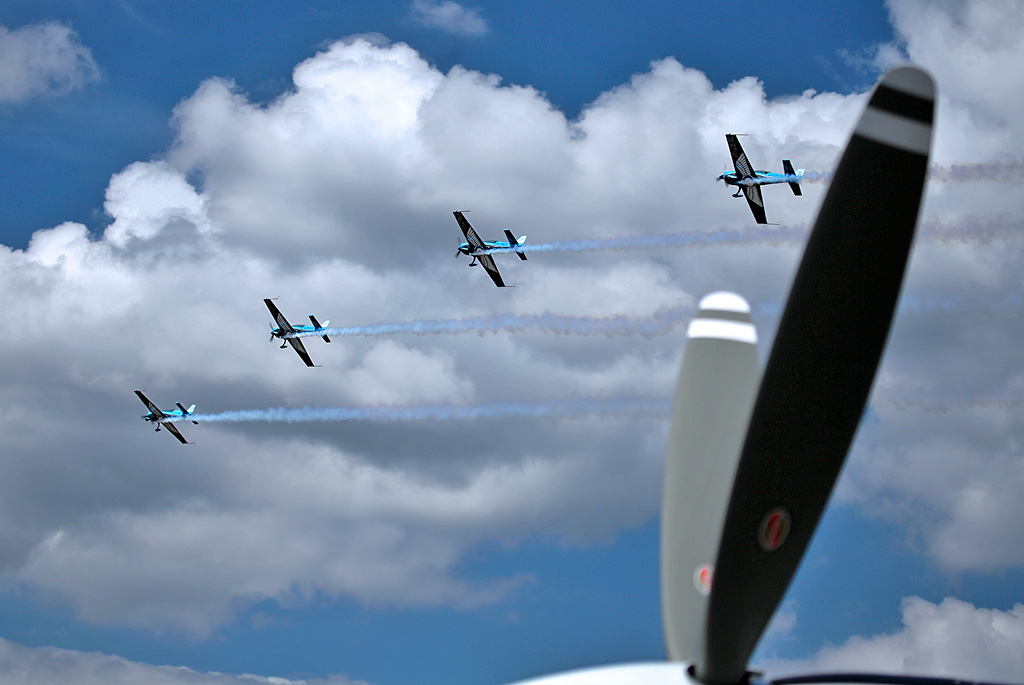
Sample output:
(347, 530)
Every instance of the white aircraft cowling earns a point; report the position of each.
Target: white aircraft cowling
(671, 673)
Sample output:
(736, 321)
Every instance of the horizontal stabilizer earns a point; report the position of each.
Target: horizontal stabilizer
(513, 243)
(317, 326)
(787, 166)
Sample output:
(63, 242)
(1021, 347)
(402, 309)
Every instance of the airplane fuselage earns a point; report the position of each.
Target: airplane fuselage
(167, 416)
(761, 178)
(474, 252)
(285, 333)
(467, 249)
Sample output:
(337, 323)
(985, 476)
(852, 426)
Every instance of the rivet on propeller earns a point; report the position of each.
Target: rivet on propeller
(702, 576)
(773, 530)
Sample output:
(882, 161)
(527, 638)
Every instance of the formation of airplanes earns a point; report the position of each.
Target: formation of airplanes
(749, 180)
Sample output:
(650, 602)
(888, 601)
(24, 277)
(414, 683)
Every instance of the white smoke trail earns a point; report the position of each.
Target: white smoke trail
(942, 403)
(971, 229)
(653, 407)
(1005, 171)
(667, 318)
(984, 229)
(640, 407)
(661, 321)
(772, 180)
(978, 304)
(770, 234)
(817, 176)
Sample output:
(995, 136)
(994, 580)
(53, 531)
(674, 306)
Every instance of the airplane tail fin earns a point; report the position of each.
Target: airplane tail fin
(787, 166)
(316, 324)
(186, 412)
(513, 243)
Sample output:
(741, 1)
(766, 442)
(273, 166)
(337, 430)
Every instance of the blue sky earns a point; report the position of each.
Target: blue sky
(169, 165)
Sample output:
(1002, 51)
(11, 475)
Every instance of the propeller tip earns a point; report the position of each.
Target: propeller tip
(725, 316)
(725, 301)
(911, 79)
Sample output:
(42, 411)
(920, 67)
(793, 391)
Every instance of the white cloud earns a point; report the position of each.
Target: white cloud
(148, 197)
(43, 59)
(946, 460)
(51, 666)
(336, 198)
(392, 373)
(973, 47)
(950, 639)
(449, 16)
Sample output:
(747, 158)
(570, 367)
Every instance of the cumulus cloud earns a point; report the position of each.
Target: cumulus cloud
(950, 639)
(945, 461)
(51, 666)
(449, 16)
(972, 46)
(336, 198)
(43, 59)
(148, 197)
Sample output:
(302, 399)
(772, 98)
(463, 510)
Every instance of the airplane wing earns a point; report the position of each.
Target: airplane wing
(487, 262)
(739, 157)
(471, 237)
(300, 349)
(149, 405)
(278, 316)
(756, 202)
(176, 433)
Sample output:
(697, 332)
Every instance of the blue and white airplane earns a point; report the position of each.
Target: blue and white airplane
(165, 418)
(285, 331)
(749, 180)
(476, 248)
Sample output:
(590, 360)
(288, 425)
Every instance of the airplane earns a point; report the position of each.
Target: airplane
(476, 247)
(749, 180)
(285, 331)
(164, 418)
(753, 457)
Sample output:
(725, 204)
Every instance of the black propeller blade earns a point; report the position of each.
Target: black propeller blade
(822, 366)
(808, 405)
